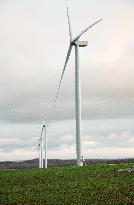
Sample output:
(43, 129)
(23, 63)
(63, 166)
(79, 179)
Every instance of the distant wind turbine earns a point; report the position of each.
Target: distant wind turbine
(41, 146)
(45, 125)
(41, 149)
(76, 43)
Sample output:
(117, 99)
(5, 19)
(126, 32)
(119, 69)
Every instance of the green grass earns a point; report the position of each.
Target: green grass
(98, 185)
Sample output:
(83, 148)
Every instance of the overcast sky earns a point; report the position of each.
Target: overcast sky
(33, 43)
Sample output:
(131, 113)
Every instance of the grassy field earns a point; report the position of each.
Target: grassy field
(98, 185)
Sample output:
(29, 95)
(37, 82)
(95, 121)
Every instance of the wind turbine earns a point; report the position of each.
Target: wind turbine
(46, 145)
(76, 43)
(41, 149)
(41, 146)
(45, 125)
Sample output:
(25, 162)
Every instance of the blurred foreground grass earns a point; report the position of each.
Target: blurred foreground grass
(98, 185)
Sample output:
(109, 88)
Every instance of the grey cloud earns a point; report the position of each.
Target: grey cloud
(97, 134)
(114, 140)
(12, 145)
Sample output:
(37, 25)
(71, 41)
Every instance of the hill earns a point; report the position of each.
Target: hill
(59, 163)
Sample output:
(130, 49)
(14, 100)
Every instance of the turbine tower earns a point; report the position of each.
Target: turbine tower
(39, 153)
(41, 149)
(41, 146)
(45, 145)
(76, 43)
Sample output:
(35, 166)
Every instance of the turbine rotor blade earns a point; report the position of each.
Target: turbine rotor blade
(69, 24)
(84, 31)
(66, 61)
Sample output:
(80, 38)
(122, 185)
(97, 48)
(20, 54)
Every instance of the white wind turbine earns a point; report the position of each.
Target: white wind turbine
(45, 125)
(76, 43)
(41, 149)
(41, 146)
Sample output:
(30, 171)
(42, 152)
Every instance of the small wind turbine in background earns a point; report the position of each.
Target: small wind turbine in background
(41, 146)
(76, 43)
(41, 149)
(40, 154)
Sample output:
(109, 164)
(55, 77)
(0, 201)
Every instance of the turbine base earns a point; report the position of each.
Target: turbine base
(80, 163)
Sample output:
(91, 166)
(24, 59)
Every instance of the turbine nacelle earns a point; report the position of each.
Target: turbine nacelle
(80, 43)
